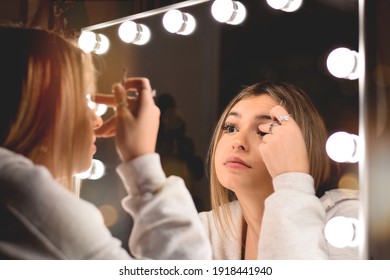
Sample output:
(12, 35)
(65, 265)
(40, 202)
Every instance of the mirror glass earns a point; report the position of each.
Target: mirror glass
(196, 75)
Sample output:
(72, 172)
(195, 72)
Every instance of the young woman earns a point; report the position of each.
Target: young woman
(47, 134)
(267, 159)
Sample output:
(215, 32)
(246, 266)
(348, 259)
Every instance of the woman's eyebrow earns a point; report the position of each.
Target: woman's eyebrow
(261, 117)
(234, 114)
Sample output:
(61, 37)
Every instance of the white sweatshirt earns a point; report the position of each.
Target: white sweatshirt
(40, 219)
(293, 222)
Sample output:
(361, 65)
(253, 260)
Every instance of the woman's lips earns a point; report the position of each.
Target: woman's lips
(235, 162)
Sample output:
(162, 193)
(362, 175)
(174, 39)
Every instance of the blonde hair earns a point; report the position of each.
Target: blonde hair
(306, 115)
(48, 77)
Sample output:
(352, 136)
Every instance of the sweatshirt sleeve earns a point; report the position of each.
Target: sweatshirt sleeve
(166, 222)
(40, 219)
(293, 221)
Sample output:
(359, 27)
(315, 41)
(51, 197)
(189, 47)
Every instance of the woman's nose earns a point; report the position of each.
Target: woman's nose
(97, 120)
(239, 144)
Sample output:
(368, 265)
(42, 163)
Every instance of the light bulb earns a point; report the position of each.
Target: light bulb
(144, 35)
(87, 41)
(285, 5)
(131, 32)
(228, 11)
(177, 22)
(100, 109)
(172, 21)
(189, 24)
(85, 174)
(341, 232)
(343, 63)
(92, 42)
(343, 147)
(292, 6)
(239, 13)
(128, 31)
(277, 4)
(94, 172)
(97, 170)
(102, 44)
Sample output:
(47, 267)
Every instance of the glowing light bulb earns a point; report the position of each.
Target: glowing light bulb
(102, 44)
(98, 169)
(343, 63)
(85, 174)
(292, 6)
(92, 42)
(100, 109)
(131, 32)
(144, 35)
(189, 24)
(94, 172)
(341, 232)
(285, 5)
(87, 41)
(177, 22)
(343, 147)
(277, 4)
(228, 11)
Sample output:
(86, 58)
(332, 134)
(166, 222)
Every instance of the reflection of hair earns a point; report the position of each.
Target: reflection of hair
(305, 114)
(45, 78)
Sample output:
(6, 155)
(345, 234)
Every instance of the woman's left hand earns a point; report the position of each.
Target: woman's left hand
(283, 148)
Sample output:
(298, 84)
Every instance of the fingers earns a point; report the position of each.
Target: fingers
(280, 116)
(136, 86)
(279, 113)
(138, 83)
(142, 86)
(120, 97)
(283, 148)
(107, 99)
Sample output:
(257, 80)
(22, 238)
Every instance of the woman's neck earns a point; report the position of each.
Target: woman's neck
(252, 206)
(250, 243)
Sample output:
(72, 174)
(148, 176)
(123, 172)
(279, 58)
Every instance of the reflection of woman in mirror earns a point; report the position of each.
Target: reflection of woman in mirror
(47, 134)
(267, 160)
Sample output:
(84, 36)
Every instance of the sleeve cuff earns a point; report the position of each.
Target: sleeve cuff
(296, 181)
(142, 174)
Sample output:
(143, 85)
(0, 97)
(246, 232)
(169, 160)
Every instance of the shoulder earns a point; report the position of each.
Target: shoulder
(9, 159)
(32, 189)
(341, 202)
(23, 181)
(17, 171)
(225, 244)
(45, 210)
(208, 218)
(333, 197)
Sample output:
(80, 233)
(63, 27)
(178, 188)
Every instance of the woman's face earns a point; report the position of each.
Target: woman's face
(238, 163)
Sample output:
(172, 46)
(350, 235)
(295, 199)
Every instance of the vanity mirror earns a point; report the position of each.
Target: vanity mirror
(195, 76)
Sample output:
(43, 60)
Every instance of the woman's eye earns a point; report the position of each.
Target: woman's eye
(261, 133)
(229, 128)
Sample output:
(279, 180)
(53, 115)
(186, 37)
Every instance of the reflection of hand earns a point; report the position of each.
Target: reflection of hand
(136, 127)
(283, 149)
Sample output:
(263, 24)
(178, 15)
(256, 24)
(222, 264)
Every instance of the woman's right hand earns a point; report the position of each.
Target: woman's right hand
(283, 148)
(136, 122)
